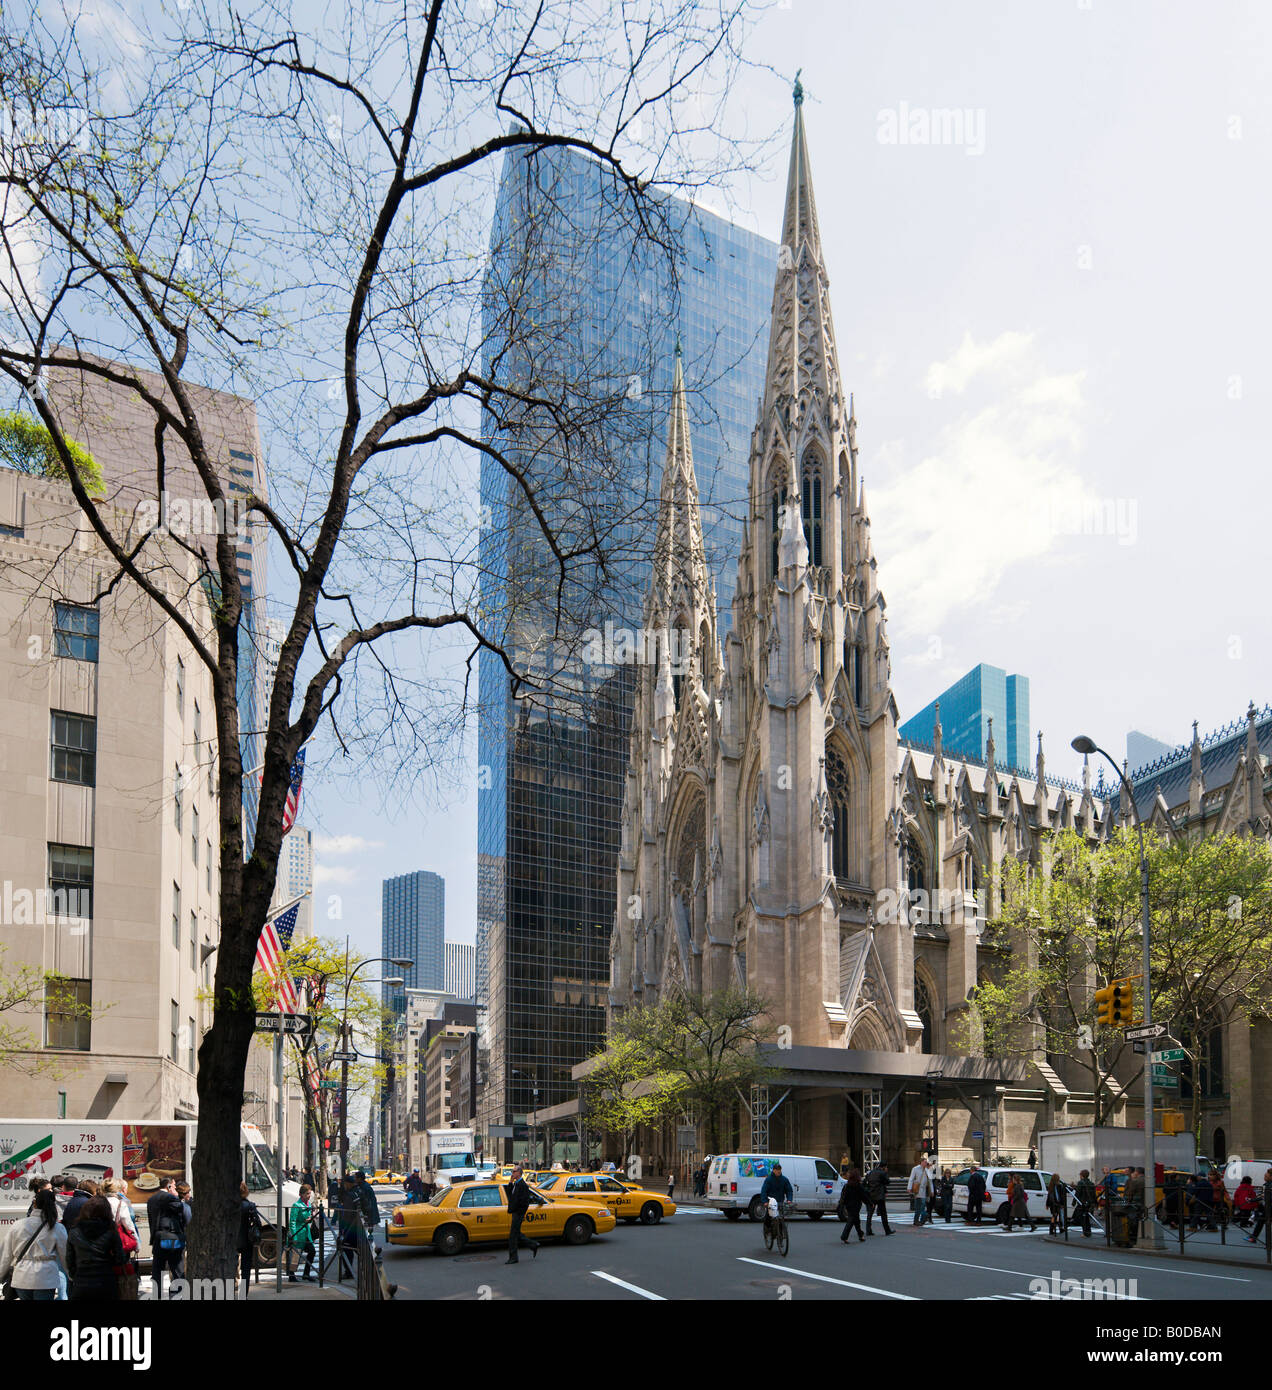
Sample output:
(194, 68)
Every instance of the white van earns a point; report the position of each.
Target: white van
(1234, 1170)
(734, 1182)
(994, 1207)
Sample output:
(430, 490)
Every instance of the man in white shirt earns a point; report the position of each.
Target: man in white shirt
(920, 1191)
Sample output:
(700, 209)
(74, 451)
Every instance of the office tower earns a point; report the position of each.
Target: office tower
(550, 795)
(460, 976)
(412, 927)
(1142, 749)
(984, 693)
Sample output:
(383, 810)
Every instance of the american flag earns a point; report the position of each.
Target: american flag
(270, 948)
(293, 792)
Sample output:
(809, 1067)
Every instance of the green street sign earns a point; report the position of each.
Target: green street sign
(1171, 1054)
(1164, 1079)
(328, 1085)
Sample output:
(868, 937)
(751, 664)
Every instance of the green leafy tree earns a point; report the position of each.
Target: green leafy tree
(1067, 927)
(1212, 943)
(27, 446)
(625, 1089)
(323, 964)
(26, 990)
(708, 1043)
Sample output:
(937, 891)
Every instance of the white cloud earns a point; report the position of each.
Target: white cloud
(344, 844)
(992, 489)
(334, 873)
(1004, 354)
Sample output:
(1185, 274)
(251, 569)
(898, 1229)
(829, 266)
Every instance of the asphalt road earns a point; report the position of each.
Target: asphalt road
(697, 1254)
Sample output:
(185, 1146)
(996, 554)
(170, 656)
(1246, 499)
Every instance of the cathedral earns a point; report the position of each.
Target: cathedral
(776, 833)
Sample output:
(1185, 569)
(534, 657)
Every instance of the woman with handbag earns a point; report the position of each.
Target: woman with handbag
(129, 1240)
(33, 1252)
(94, 1253)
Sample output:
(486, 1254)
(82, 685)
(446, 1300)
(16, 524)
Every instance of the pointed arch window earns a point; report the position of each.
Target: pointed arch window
(778, 503)
(923, 1007)
(915, 871)
(840, 801)
(811, 509)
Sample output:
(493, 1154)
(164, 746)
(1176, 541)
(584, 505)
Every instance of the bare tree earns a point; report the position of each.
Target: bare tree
(303, 220)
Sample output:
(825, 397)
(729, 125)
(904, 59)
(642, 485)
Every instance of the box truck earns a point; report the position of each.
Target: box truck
(448, 1153)
(142, 1156)
(1097, 1147)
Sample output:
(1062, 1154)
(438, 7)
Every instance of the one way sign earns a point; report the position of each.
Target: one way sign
(301, 1025)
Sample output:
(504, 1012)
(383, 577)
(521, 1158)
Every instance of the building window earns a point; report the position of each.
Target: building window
(176, 915)
(778, 507)
(180, 686)
(194, 940)
(74, 754)
(75, 632)
(67, 1022)
(71, 881)
(811, 511)
(194, 835)
(198, 725)
(174, 1049)
(207, 866)
(837, 783)
(190, 1045)
(923, 1007)
(176, 796)
(916, 877)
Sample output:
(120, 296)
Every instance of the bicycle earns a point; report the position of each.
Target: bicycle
(776, 1232)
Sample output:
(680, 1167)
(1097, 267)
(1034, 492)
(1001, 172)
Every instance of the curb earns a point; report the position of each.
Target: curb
(1169, 1255)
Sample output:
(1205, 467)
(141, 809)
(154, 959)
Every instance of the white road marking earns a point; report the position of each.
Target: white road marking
(634, 1288)
(826, 1279)
(1163, 1268)
(1028, 1274)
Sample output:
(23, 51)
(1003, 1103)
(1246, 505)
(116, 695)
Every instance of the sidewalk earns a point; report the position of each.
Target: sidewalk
(1198, 1245)
(299, 1292)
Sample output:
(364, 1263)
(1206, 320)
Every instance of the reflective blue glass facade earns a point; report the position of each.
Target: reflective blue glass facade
(551, 778)
(413, 927)
(967, 706)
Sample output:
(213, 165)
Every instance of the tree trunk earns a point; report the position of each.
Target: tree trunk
(213, 1252)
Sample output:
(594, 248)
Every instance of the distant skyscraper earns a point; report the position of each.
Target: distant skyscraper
(461, 961)
(1141, 749)
(562, 255)
(967, 706)
(412, 927)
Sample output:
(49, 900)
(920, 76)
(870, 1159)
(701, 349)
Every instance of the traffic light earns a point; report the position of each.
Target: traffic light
(1173, 1122)
(1104, 1005)
(1123, 1003)
(929, 1092)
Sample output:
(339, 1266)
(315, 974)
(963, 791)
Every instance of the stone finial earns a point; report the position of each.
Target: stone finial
(798, 90)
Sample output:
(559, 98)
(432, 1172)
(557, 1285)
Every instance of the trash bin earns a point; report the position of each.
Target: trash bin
(1120, 1223)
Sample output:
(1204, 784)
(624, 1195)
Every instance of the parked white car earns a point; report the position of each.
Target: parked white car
(995, 1204)
(734, 1182)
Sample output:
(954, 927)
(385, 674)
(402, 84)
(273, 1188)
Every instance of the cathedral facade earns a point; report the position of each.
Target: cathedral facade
(777, 834)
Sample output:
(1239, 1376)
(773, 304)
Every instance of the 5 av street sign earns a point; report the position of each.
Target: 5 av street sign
(1147, 1030)
(1170, 1054)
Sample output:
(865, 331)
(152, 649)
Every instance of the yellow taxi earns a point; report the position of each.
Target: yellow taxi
(382, 1177)
(628, 1201)
(478, 1211)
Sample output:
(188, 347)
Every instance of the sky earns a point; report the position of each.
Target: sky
(1046, 228)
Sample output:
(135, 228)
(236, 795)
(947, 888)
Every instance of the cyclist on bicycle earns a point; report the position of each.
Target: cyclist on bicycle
(776, 1186)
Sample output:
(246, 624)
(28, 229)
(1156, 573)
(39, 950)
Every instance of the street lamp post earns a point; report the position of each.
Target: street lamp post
(1150, 1236)
(392, 982)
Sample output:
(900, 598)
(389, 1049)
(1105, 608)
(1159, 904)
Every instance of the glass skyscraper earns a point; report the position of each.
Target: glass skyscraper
(413, 927)
(552, 766)
(984, 693)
